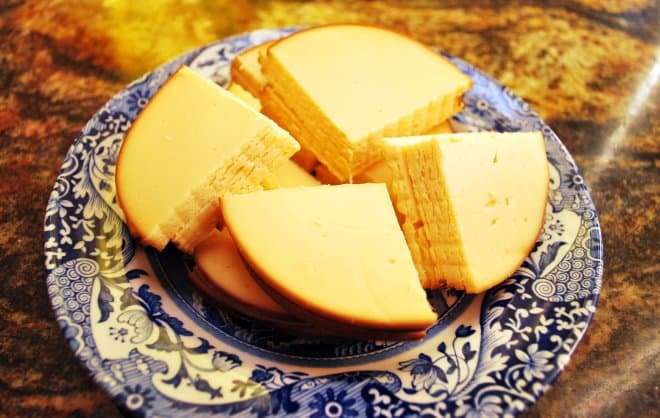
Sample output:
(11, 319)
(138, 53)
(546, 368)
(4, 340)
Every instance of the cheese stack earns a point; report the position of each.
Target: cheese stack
(471, 204)
(193, 143)
(377, 173)
(326, 259)
(339, 89)
(245, 69)
(290, 173)
(221, 274)
(247, 81)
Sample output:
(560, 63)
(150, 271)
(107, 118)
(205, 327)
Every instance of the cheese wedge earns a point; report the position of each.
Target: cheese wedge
(347, 86)
(471, 204)
(245, 69)
(333, 253)
(190, 145)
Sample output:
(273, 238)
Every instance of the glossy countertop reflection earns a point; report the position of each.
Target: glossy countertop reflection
(590, 68)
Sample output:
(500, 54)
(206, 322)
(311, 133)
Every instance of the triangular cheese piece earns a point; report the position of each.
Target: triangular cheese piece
(191, 144)
(472, 204)
(336, 253)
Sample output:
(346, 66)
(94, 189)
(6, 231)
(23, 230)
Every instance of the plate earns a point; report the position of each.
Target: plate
(159, 348)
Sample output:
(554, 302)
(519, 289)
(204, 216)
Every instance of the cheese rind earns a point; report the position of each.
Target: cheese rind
(219, 262)
(351, 263)
(349, 99)
(472, 204)
(191, 144)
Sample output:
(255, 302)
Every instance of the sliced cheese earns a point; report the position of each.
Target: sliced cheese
(245, 69)
(191, 144)
(441, 128)
(335, 252)
(290, 174)
(305, 159)
(345, 99)
(377, 173)
(218, 260)
(471, 204)
(381, 172)
(323, 174)
(248, 81)
(244, 95)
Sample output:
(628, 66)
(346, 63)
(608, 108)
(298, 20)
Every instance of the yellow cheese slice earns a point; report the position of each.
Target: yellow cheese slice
(221, 273)
(441, 128)
(305, 159)
(323, 174)
(245, 69)
(247, 83)
(381, 172)
(244, 95)
(218, 260)
(335, 252)
(377, 173)
(472, 204)
(349, 86)
(190, 145)
(290, 174)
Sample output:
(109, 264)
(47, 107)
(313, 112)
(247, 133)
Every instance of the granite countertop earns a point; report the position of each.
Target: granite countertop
(590, 68)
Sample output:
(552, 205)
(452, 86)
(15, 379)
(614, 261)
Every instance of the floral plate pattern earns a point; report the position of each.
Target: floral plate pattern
(160, 349)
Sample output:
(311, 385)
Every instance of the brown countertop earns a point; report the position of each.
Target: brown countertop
(589, 67)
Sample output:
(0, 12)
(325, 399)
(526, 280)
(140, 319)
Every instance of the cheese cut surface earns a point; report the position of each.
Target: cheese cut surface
(473, 204)
(337, 252)
(349, 99)
(191, 144)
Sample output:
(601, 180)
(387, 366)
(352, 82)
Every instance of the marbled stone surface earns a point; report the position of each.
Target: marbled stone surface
(589, 67)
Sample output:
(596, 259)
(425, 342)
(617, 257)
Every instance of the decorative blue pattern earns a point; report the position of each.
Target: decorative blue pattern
(160, 349)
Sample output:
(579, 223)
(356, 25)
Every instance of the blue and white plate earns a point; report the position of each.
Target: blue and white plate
(161, 349)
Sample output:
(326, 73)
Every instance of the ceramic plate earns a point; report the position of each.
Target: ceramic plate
(161, 349)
